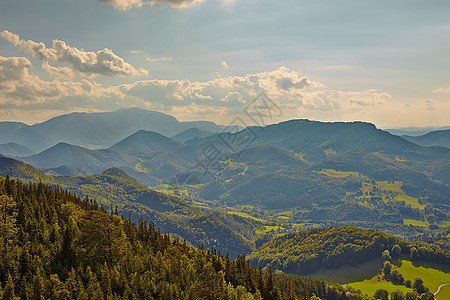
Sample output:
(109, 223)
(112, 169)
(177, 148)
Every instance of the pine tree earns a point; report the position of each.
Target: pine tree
(8, 216)
(8, 293)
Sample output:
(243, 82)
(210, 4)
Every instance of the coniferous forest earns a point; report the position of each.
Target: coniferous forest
(56, 245)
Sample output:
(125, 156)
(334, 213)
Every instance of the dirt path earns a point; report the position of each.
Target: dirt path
(439, 288)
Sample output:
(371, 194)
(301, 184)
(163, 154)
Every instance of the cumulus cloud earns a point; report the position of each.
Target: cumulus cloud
(293, 94)
(18, 86)
(224, 64)
(84, 63)
(180, 4)
(442, 91)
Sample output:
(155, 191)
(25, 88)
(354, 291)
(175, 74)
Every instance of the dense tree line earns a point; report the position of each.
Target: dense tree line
(306, 251)
(56, 245)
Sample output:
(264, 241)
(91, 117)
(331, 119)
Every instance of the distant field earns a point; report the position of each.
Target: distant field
(431, 274)
(339, 174)
(245, 215)
(414, 202)
(268, 229)
(371, 285)
(300, 156)
(395, 186)
(366, 278)
(444, 224)
(140, 169)
(415, 223)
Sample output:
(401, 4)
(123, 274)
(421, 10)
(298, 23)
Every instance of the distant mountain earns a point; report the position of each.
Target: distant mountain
(144, 142)
(190, 134)
(415, 131)
(14, 149)
(317, 140)
(67, 171)
(95, 129)
(434, 138)
(381, 168)
(23, 134)
(78, 157)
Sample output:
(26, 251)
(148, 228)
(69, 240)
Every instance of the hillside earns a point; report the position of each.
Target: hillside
(61, 251)
(79, 157)
(18, 169)
(114, 188)
(142, 143)
(190, 134)
(14, 149)
(434, 138)
(316, 139)
(304, 252)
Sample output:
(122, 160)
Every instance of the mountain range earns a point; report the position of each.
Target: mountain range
(95, 129)
(261, 180)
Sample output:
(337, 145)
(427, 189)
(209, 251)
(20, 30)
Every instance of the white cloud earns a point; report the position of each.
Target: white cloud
(220, 99)
(442, 91)
(159, 59)
(84, 63)
(224, 64)
(18, 86)
(287, 87)
(136, 52)
(180, 4)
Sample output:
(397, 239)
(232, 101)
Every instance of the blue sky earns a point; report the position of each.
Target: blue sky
(385, 62)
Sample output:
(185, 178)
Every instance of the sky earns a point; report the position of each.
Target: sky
(384, 62)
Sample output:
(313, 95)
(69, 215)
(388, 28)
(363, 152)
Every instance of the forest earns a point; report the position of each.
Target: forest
(56, 245)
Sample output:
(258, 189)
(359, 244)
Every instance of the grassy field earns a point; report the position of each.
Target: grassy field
(300, 156)
(245, 215)
(140, 169)
(366, 277)
(268, 229)
(444, 224)
(369, 286)
(172, 191)
(415, 223)
(338, 174)
(395, 186)
(414, 202)
(433, 275)
(444, 293)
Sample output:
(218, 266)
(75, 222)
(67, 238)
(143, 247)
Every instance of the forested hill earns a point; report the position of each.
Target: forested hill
(304, 252)
(54, 245)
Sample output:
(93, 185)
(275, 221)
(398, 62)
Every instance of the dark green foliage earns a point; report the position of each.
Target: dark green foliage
(381, 294)
(307, 251)
(67, 247)
(418, 286)
(397, 295)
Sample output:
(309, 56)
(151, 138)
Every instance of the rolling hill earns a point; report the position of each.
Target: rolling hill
(114, 188)
(13, 149)
(79, 157)
(190, 134)
(142, 143)
(434, 138)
